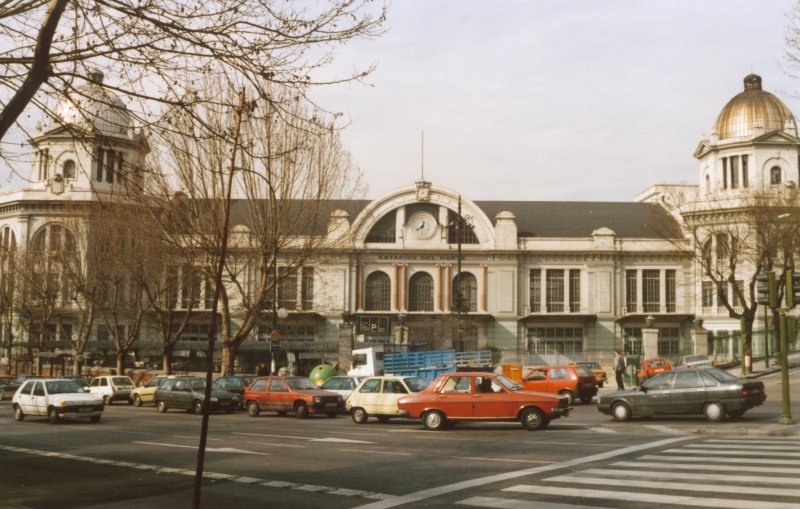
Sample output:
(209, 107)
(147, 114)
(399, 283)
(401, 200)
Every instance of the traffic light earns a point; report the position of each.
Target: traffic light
(792, 288)
(766, 290)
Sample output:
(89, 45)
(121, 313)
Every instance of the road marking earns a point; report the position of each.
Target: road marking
(667, 429)
(695, 476)
(497, 459)
(208, 449)
(512, 503)
(581, 444)
(602, 429)
(377, 452)
(764, 440)
(706, 467)
(307, 439)
(207, 475)
(482, 481)
(678, 486)
(747, 446)
(732, 453)
(724, 459)
(270, 444)
(194, 437)
(648, 498)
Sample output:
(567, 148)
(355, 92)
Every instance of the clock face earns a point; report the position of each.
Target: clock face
(423, 225)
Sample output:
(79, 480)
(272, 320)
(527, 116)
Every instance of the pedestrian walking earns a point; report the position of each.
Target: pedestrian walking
(619, 369)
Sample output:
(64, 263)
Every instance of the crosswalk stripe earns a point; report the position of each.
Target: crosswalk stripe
(680, 486)
(755, 479)
(725, 459)
(662, 498)
(748, 446)
(512, 503)
(705, 467)
(667, 429)
(773, 441)
(685, 450)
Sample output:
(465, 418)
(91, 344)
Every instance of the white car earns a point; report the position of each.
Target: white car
(112, 388)
(377, 396)
(342, 385)
(694, 361)
(57, 399)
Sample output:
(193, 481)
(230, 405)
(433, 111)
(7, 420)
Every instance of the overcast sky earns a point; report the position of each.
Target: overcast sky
(554, 100)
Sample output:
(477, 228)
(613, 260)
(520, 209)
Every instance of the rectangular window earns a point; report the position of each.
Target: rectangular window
(651, 291)
(307, 290)
(209, 294)
(109, 164)
(632, 340)
(671, 290)
(734, 172)
(722, 295)
(630, 290)
(555, 291)
(555, 340)
(724, 173)
(708, 294)
(535, 285)
(102, 333)
(99, 160)
(668, 341)
(287, 288)
(574, 290)
(745, 177)
(190, 288)
(66, 332)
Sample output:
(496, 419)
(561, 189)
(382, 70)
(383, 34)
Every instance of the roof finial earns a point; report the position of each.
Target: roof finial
(422, 158)
(752, 82)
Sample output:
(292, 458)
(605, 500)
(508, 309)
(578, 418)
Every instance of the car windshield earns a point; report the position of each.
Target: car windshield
(722, 376)
(590, 365)
(583, 371)
(198, 384)
(62, 387)
(121, 380)
(509, 384)
(301, 384)
(415, 384)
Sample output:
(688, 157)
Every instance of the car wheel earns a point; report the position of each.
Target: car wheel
(197, 407)
(434, 420)
(736, 414)
(161, 407)
(383, 419)
(107, 400)
(52, 415)
(568, 395)
(137, 401)
(19, 415)
(252, 409)
(714, 411)
(301, 411)
(359, 415)
(620, 412)
(533, 419)
(94, 418)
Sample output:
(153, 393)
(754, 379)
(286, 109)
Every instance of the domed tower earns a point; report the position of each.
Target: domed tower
(753, 146)
(90, 146)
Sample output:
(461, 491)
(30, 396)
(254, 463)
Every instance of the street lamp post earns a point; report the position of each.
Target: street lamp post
(786, 411)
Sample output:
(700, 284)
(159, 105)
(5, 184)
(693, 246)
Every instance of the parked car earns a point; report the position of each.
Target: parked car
(112, 388)
(235, 384)
(284, 394)
(377, 397)
(694, 361)
(571, 381)
(82, 380)
(599, 373)
(189, 394)
(478, 396)
(342, 385)
(651, 367)
(711, 392)
(57, 399)
(145, 393)
(9, 387)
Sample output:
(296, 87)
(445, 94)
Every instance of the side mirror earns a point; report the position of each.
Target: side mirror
(642, 388)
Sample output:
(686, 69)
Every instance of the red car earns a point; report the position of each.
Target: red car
(456, 397)
(571, 381)
(651, 367)
(284, 394)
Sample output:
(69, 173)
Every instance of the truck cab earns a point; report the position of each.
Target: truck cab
(367, 361)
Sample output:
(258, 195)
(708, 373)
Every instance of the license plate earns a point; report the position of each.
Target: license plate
(84, 410)
(755, 391)
(331, 404)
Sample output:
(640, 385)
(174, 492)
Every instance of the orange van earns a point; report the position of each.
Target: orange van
(574, 382)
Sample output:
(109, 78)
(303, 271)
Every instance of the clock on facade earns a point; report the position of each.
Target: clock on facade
(423, 225)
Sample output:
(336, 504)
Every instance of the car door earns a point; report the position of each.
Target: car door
(391, 392)
(536, 380)
(181, 395)
(40, 399)
(490, 399)
(25, 398)
(278, 398)
(688, 393)
(94, 387)
(654, 399)
(455, 397)
(368, 396)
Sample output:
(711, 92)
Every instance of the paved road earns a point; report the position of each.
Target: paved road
(137, 457)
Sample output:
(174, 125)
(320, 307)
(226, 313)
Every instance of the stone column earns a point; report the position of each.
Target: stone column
(447, 285)
(484, 289)
(345, 347)
(395, 287)
(437, 297)
(403, 304)
(700, 341)
(650, 339)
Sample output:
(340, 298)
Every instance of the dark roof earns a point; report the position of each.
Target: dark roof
(581, 218)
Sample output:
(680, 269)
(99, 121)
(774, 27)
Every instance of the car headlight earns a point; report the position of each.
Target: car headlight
(65, 404)
(214, 399)
(317, 399)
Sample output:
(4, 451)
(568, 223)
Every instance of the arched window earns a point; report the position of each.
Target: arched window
(68, 171)
(50, 282)
(8, 241)
(465, 292)
(775, 176)
(706, 254)
(378, 292)
(420, 292)
(708, 185)
(384, 230)
(53, 238)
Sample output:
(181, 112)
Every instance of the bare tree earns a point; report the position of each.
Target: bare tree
(10, 288)
(156, 54)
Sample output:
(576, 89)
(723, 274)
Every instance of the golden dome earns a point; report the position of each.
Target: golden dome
(95, 109)
(752, 113)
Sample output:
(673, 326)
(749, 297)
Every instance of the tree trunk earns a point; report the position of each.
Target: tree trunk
(166, 360)
(228, 357)
(121, 362)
